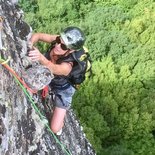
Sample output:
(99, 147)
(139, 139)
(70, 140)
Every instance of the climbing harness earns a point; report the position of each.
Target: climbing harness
(25, 88)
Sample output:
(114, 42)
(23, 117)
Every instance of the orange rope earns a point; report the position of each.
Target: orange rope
(15, 74)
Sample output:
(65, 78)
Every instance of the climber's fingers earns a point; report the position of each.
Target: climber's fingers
(35, 54)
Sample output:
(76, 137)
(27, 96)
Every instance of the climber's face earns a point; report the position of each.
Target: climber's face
(60, 47)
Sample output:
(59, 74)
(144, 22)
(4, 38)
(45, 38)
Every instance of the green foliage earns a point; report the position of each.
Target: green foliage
(117, 150)
(105, 35)
(123, 102)
(29, 5)
(54, 15)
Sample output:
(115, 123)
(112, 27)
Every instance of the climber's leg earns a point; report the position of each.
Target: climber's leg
(57, 120)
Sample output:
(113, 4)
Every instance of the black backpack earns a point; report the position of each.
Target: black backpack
(81, 68)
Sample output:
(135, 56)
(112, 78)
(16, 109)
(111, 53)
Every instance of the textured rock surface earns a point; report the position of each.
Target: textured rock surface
(21, 130)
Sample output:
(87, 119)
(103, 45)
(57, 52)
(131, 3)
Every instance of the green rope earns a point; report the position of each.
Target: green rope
(1, 59)
(42, 117)
(6, 61)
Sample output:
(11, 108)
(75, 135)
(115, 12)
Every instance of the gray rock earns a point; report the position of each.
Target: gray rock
(37, 77)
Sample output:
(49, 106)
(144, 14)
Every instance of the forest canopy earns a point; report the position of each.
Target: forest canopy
(116, 106)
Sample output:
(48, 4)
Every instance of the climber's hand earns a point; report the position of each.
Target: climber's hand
(35, 54)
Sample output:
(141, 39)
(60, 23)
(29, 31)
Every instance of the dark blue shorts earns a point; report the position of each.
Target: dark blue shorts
(63, 98)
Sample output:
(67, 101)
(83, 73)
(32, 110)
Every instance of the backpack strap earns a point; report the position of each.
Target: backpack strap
(78, 61)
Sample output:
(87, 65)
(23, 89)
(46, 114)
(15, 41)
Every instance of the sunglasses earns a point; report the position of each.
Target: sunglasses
(63, 46)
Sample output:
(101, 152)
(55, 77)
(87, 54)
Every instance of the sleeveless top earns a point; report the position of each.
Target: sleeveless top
(60, 81)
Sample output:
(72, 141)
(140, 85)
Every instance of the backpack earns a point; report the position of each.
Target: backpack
(81, 67)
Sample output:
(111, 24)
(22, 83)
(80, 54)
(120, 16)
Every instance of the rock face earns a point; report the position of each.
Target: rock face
(22, 131)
